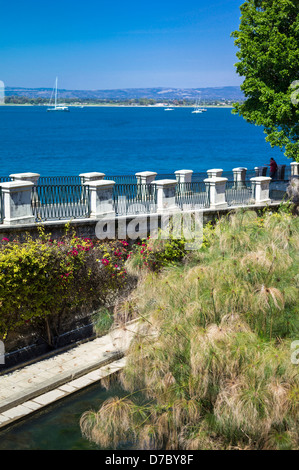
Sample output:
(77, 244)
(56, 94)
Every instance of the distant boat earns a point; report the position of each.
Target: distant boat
(56, 108)
(197, 109)
(169, 108)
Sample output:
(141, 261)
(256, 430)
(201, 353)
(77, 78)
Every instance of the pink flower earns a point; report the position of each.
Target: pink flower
(5, 239)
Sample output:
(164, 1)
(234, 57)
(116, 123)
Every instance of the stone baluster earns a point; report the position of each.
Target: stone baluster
(165, 191)
(294, 169)
(216, 187)
(239, 177)
(184, 176)
(101, 198)
(16, 202)
(261, 189)
(215, 172)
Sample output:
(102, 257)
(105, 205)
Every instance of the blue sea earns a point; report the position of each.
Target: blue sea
(123, 140)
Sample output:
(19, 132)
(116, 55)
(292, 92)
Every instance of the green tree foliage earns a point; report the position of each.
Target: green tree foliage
(268, 41)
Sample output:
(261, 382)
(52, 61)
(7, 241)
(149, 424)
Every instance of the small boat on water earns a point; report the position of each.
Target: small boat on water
(56, 107)
(197, 109)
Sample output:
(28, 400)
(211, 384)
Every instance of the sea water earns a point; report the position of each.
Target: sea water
(125, 140)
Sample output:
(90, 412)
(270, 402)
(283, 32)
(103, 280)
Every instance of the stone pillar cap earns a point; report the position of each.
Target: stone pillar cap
(184, 171)
(165, 182)
(92, 173)
(239, 168)
(99, 183)
(146, 173)
(16, 184)
(215, 179)
(261, 178)
(215, 169)
(23, 175)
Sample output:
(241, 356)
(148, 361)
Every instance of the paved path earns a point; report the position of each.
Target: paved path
(34, 386)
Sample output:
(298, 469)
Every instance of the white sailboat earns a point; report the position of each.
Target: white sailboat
(57, 108)
(197, 109)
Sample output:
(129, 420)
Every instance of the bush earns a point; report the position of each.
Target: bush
(154, 254)
(42, 279)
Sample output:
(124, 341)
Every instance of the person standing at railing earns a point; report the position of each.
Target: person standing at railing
(273, 167)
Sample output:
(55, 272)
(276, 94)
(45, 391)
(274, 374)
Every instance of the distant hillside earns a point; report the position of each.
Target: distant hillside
(212, 93)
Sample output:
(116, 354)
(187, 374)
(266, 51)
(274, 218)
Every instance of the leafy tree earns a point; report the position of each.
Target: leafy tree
(268, 41)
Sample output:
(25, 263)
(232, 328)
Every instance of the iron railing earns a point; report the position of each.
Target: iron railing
(58, 180)
(239, 193)
(134, 198)
(122, 179)
(60, 202)
(192, 195)
(278, 190)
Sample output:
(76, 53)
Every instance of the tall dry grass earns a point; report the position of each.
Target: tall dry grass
(215, 368)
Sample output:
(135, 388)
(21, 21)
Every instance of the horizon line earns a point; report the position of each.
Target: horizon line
(124, 88)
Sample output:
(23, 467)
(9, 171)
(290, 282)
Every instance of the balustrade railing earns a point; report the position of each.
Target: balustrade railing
(193, 194)
(239, 193)
(134, 198)
(69, 197)
(50, 202)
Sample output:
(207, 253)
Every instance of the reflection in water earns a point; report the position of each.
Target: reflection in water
(57, 427)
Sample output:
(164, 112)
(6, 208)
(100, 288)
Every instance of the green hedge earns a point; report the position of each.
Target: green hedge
(42, 278)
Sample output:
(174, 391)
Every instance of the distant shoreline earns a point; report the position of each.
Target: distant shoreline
(115, 106)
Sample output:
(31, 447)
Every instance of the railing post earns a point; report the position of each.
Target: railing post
(215, 173)
(165, 191)
(294, 169)
(239, 177)
(16, 202)
(101, 198)
(32, 177)
(91, 176)
(261, 189)
(183, 176)
(144, 188)
(145, 177)
(216, 187)
(260, 170)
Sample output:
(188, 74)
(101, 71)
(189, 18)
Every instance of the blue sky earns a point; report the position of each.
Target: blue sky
(99, 44)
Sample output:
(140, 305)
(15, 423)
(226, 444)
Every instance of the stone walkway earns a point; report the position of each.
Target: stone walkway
(37, 385)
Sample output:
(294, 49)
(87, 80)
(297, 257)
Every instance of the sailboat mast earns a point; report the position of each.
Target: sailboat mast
(56, 93)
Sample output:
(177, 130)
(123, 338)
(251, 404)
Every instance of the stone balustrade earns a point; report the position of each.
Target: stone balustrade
(153, 195)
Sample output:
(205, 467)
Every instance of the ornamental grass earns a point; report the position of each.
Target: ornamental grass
(214, 370)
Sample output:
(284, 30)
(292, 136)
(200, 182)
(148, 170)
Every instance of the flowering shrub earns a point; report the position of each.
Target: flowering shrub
(153, 254)
(41, 279)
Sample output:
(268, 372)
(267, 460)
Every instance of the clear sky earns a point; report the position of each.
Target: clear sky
(97, 44)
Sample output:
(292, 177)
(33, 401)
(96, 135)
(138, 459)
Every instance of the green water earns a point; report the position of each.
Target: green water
(57, 427)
